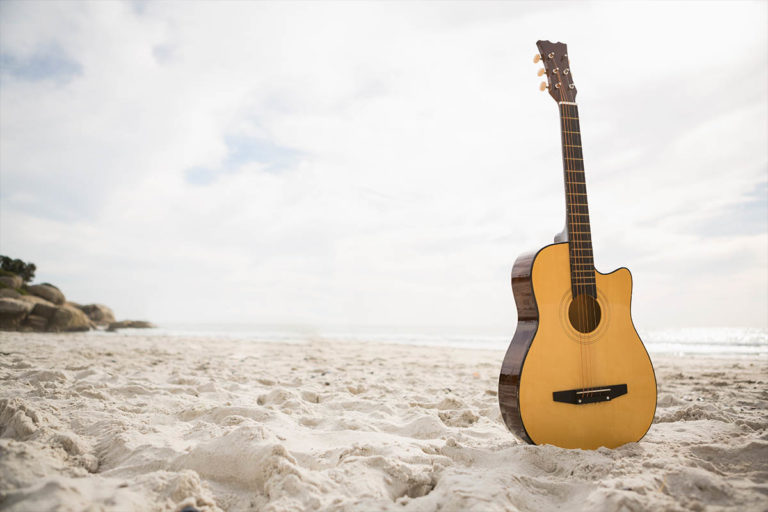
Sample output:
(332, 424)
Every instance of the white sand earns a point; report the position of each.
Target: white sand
(114, 422)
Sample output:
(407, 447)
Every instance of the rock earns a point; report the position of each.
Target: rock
(35, 322)
(66, 318)
(98, 313)
(12, 312)
(44, 309)
(132, 324)
(34, 299)
(11, 281)
(9, 293)
(47, 292)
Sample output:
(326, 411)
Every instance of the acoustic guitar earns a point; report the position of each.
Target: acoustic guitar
(576, 374)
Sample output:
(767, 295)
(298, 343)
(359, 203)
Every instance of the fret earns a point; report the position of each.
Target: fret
(574, 140)
(574, 158)
(571, 146)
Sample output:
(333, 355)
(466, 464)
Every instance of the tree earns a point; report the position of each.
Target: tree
(24, 270)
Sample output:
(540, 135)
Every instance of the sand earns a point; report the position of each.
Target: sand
(114, 422)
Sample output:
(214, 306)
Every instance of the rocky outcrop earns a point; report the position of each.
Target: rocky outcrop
(68, 319)
(98, 313)
(45, 310)
(35, 322)
(9, 293)
(13, 312)
(8, 280)
(43, 307)
(48, 292)
(133, 324)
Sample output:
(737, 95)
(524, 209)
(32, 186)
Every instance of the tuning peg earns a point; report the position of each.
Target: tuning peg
(543, 86)
(541, 71)
(536, 58)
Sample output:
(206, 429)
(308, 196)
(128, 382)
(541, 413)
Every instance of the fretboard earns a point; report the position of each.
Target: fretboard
(577, 210)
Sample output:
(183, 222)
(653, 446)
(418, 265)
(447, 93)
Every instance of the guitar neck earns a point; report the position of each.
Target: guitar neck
(577, 210)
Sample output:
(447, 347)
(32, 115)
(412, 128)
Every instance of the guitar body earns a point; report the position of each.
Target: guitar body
(548, 355)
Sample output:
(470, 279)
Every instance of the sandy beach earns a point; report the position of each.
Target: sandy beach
(114, 422)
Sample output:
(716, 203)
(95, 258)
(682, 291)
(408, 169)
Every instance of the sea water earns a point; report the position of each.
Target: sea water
(721, 341)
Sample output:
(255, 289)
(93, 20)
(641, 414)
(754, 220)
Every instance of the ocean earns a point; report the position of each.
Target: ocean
(715, 341)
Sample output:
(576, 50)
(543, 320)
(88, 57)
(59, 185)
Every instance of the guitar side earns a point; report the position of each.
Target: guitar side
(527, 325)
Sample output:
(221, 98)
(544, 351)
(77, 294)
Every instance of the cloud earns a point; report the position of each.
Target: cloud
(379, 163)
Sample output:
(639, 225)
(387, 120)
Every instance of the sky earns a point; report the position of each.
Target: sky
(380, 163)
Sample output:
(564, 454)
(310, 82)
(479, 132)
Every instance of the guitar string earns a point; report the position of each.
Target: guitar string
(569, 210)
(591, 281)
(574, 242)
(582, 258)
(588, 254)
(585, 277)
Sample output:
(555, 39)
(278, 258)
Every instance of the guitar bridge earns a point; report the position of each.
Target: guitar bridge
(590, 395)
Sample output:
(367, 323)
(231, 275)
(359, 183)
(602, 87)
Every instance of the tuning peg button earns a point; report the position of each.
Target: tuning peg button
(536, 58)
(541, 71)
(543, 86)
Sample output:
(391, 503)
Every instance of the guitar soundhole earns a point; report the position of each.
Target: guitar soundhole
(584, 313)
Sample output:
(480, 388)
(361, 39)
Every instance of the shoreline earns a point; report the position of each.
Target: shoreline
(757, 346)
(146, 422)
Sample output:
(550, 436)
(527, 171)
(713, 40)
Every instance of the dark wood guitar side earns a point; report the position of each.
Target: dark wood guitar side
(527, 325)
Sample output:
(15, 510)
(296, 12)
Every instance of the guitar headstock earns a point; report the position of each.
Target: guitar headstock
(554, 56)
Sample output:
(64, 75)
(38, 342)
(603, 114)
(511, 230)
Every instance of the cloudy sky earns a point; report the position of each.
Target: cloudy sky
(380, 163)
